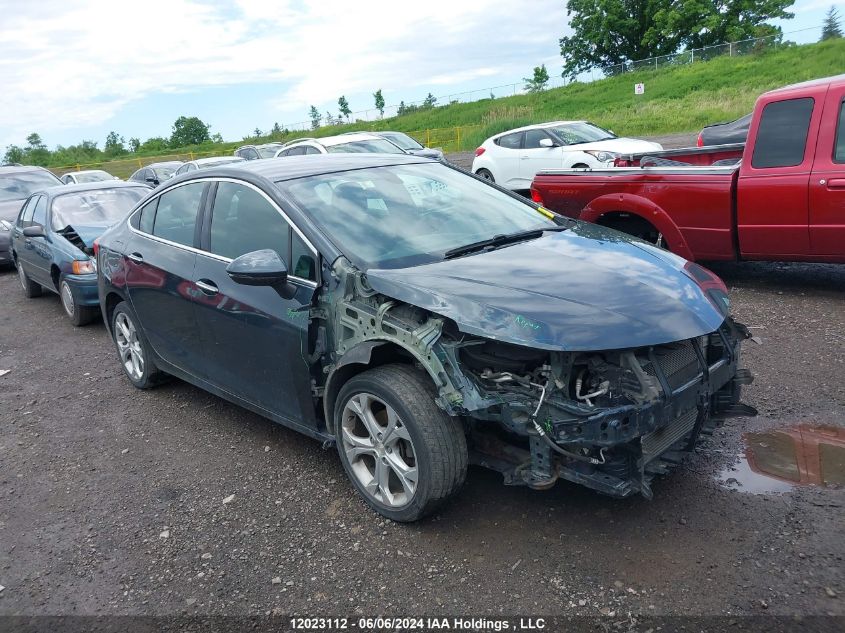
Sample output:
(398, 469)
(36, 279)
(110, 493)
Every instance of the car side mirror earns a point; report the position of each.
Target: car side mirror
(36, 230)
(262, 268)
(152, 180)
(547, 142)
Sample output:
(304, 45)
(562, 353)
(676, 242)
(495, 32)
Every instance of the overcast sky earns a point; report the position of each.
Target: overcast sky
(76, 69)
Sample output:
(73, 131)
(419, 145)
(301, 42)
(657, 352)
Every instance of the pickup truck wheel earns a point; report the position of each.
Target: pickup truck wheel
(485, 174)
(404, 455)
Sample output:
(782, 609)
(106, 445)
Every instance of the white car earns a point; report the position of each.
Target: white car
(513, 158)
(88, 175)
(353, 143)
(205, 163)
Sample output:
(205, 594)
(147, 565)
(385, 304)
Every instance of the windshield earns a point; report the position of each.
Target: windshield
(374, 146)
(163, 173)
(268, 151)
(95, 207)
(405, 215)
(93, 176)
(21, 185)
(402, 140)
(575, 133)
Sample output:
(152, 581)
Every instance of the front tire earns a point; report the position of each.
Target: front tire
(403, 454)
(30, 288)
(134, 350)
(78, 315)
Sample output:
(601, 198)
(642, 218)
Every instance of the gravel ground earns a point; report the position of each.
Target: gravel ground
(172, 501)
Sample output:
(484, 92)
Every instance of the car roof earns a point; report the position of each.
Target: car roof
(88, 171)
(339, 139)
(21, 169)
(260, 145)
(310, 165)
(166, 163)
(59, 190)
(536, 126)
(823, 81)
(217, 159)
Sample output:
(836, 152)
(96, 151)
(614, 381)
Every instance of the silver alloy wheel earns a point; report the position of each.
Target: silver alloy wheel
(22, 276)
(67, 299)
(129, 346)
(379, 450)
(486, 175)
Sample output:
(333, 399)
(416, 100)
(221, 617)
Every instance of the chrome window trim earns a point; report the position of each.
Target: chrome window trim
(308, 282)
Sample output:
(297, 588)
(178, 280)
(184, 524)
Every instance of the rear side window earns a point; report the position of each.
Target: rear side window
(782, 134)
(148, 215)
(176, 216)
(244, 221)
(510, 141)
(839, 148)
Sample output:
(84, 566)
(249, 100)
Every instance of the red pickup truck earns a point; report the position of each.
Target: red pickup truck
(784, 200)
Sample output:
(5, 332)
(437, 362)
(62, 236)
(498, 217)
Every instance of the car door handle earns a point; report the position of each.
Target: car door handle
(207, 286)
(136, 257)
(836, 183)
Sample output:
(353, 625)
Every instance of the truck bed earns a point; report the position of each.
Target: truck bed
(692, 208)
(693, 156)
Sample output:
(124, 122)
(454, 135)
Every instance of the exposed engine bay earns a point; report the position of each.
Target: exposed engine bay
(608, 419)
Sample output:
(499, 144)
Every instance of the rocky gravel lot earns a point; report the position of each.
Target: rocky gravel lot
(172, 501)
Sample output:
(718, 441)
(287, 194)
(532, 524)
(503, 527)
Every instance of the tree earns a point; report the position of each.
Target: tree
(831, 28)
(36, 151)
(134, 144)
(710, 22)
(314, 115)
(343, 106)
(216, 138)
(379, 102)
(330, 120)
(189, 131)
(114, 144)
(14, 154)
(430, 101)
(401, 109)
(538, 82)
(276, 131)
(609, 32)
(156, 143)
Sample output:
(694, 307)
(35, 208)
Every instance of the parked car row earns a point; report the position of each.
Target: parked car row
(407, 312)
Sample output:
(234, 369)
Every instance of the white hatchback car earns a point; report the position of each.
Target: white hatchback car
(513, 158)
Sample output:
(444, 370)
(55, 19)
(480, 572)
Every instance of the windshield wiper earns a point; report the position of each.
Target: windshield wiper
(500, 240)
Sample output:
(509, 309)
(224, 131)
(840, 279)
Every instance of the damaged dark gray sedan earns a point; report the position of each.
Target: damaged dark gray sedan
(420, 319)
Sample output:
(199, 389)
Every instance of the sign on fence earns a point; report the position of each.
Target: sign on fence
(639, 89)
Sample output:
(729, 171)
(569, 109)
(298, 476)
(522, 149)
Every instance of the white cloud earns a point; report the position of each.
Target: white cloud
(73, 64)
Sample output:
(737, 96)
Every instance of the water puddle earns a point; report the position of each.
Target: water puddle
(775, 461)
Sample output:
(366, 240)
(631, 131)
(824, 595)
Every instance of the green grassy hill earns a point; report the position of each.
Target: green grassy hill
(677, 99)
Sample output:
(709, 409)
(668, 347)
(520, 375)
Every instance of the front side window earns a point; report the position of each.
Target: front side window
(533, 138)
(839, 147)
(39, 216)
(510, 141)
(176, 217)
(304, 263)
(404, 215)
(243, 221)
(782, 133)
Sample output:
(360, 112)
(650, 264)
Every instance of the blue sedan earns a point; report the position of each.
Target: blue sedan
(53, 238)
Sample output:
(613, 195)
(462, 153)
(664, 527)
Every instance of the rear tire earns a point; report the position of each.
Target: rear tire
(485, 174)
(403, 454)
(30, 288)
(78, 315)
(133, 349)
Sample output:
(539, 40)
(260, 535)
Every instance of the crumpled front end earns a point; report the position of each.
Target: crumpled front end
(609, 420)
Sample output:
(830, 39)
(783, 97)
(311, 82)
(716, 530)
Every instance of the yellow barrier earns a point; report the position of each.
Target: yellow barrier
(449, 139)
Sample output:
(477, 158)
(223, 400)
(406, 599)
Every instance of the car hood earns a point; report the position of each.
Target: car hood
(587, 288)
(9, 209)
(620, 145)
(87, 232)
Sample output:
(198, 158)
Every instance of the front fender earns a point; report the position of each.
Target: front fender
(644, 209)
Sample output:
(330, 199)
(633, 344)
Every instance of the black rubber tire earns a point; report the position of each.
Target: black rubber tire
(485, 174)
(30, 288)
(152, 375)
(580, 166)
(82, 315)
(438, 439)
